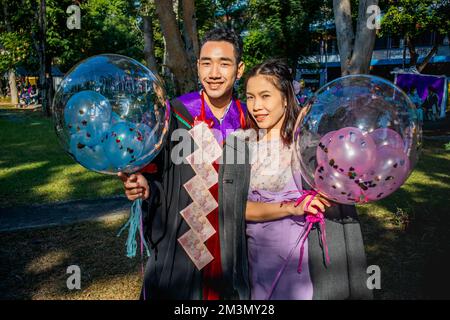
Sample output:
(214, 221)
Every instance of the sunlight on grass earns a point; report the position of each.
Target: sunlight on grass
(34, 263)
(6, 172)
(47, 262)
(35, 169)
(125, 287)
(64, 183)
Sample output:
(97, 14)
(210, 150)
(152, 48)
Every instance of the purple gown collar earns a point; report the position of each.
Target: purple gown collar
(230, 122)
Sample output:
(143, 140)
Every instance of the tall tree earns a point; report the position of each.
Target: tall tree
(355, 49)
(45, 70)
(190, 31)
(147, 12)
(10, 63)
(149, 44)
(178, 59)
(411, 19)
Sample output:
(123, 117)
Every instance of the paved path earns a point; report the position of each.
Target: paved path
(57, 214)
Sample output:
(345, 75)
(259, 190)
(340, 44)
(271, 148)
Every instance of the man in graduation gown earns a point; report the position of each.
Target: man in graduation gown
(179, 193)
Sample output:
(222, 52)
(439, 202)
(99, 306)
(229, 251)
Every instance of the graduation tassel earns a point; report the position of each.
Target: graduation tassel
(134, 223)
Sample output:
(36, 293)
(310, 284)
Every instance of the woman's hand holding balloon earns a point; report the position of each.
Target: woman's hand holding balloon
(317, 204)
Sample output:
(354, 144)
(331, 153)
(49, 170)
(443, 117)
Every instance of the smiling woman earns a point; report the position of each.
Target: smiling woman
(286, 259)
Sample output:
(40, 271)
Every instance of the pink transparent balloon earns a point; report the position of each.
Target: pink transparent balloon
(336, 186)
(378, 114)
(387, 175)
(322, 149)
(387, 137)
(350, 150)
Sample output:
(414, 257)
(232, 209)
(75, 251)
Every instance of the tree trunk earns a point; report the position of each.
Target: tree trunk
(190, 31)
(149, 45)
(344, 32)
(364, 42)
(2, 93)
(13, 87)
(49, 83)
(43, 62)
(355, 56)
(404, 53)
(412, 51)
(185, 80)
(11, 73)
(427, 59)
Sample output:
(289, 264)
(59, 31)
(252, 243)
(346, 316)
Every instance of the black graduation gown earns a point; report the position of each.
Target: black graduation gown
(169, 272)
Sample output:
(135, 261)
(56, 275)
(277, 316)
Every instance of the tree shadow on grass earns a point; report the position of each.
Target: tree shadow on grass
(37, 169)
(46, 183)
(413, 255)
(34, 263)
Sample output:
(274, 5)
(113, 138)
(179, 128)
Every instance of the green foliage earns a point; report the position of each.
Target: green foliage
(106, 27)
(14, 49)
(270, 28)
(414, 17)
(447, 146)
(279, 28)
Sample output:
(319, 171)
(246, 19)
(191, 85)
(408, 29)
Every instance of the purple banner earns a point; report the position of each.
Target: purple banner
(426, 91)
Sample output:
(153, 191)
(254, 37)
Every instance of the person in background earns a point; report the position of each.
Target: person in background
(415, 98)
(431, 104)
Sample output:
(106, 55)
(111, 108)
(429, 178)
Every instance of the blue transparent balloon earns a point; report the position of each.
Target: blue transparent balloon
(103, 97)
(123, 145)
(88, 112)
(90, 157)
(86, 107)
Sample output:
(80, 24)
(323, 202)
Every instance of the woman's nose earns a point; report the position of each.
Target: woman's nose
(257, 104)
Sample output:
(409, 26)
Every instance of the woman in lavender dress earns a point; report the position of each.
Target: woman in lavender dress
(273, 221)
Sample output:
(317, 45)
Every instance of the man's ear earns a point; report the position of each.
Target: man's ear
(240, 70)
(198, 67)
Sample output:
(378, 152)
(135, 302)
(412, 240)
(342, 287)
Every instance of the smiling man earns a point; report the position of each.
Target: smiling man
(190, 259)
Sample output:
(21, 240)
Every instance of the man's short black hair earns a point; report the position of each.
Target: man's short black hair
(228, 35)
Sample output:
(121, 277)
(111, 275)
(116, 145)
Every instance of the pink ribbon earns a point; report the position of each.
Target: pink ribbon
(310, 219)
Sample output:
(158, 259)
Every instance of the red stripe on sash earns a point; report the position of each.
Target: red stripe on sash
(212, 273)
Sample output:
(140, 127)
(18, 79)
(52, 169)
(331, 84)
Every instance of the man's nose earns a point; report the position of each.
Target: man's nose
(215, 71)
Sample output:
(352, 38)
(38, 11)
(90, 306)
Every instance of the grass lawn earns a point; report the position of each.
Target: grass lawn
(35, 168)
(407, 234)
(34, 263)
